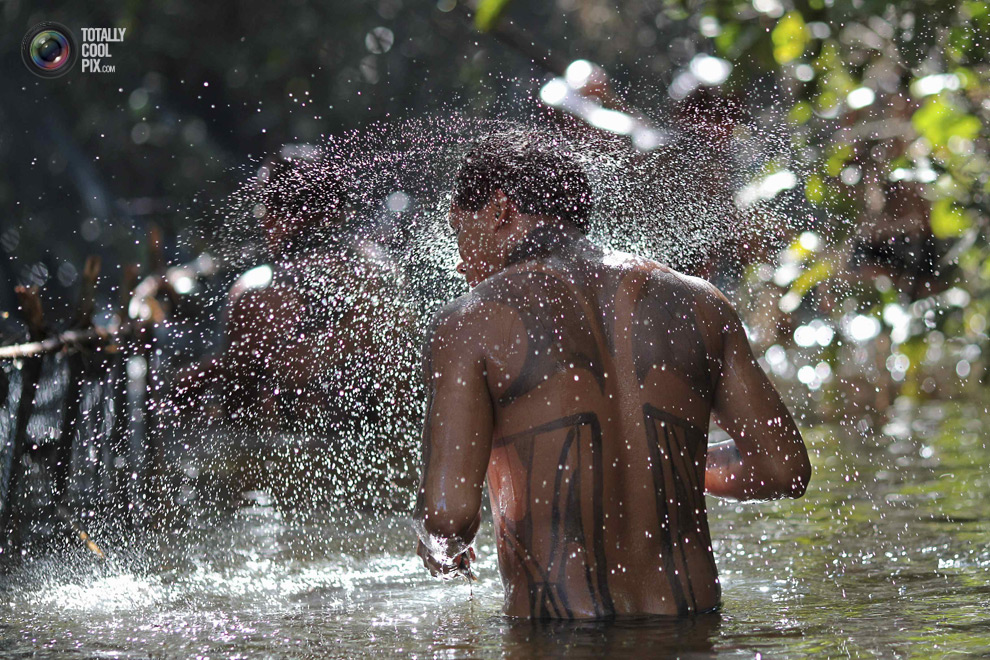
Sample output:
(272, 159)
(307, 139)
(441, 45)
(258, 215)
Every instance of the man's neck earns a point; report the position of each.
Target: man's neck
(544, 239)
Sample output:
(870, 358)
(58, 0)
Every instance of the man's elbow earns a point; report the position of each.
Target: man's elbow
(783, 480)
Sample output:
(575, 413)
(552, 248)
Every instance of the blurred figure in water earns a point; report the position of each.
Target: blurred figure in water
(685, 171)
(306, 334)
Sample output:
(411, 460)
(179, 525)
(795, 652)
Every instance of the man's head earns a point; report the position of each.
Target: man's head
(299, 195)
(509, 183)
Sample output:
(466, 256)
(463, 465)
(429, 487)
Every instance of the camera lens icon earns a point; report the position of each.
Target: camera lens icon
(49, 50)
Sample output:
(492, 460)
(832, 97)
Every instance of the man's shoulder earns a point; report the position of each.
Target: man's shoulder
(660, 274)
(711, 307)
(530, 278)
(459, 316)
(703, 291)
(457, 332)
(709, 303)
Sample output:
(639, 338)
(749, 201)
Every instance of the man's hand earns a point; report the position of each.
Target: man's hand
(460, 565)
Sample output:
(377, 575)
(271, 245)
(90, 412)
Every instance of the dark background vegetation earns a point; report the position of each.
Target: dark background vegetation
(202, 92)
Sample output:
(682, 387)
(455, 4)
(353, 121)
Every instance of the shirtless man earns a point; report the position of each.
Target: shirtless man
(582, 383)
(298, 330)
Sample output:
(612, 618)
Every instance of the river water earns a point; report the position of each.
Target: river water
(886, 555)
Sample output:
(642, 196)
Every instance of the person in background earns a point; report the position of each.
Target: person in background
(304, 334)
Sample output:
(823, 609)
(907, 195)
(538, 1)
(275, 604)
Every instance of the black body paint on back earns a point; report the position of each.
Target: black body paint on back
(675, 447)
(569, 322)
(547, 592)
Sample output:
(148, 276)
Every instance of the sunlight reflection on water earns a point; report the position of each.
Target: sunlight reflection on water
(885, 555)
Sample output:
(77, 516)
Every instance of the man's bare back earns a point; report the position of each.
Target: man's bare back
(581, 383)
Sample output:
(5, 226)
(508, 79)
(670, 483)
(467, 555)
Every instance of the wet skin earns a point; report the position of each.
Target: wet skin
(297, 327)
(581, 384)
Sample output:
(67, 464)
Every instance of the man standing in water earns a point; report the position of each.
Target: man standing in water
(299, 329)
(582, 383)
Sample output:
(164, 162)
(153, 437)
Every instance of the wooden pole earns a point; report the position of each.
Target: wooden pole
(106, 340)
(70, 413)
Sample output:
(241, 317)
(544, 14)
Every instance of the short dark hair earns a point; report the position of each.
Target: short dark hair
(297, 183)
(536, 171)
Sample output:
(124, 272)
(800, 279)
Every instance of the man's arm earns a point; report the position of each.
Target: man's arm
(766, 458)
(234, 365)
(457, 442)
(258, 331)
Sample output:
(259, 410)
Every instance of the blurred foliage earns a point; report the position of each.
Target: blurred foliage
(199, 96)
(488, 12)
(889, 109)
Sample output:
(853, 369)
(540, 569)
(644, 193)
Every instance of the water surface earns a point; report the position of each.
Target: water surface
(886, 555)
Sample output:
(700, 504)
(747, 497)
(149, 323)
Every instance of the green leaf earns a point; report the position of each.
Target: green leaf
(800, 113)
(488, 13)
(948, 219)
(790, 38)
(940, 119)
(837, 159)
(815, 274)
(725, 42)
(975, 9)
(814, 189)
